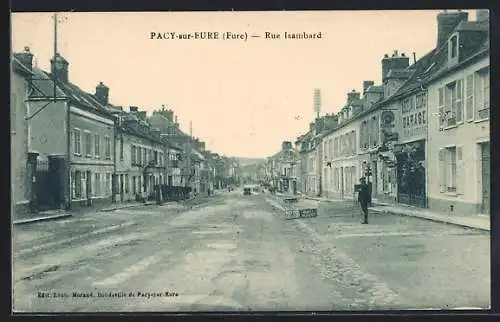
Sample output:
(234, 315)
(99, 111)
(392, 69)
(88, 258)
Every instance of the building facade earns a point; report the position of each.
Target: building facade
(22, 171)
(459, 151)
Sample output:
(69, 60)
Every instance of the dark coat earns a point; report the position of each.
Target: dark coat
(363, 194)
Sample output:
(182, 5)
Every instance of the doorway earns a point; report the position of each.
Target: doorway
(485, 178)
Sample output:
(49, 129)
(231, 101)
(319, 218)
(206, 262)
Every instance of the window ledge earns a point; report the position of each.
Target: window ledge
(77, 154)
(481, 120)
(450, 127)
(451, 194)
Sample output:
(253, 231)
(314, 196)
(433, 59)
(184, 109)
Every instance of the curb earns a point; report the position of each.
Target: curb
(443, 221)
(126, 206)
(32, 220)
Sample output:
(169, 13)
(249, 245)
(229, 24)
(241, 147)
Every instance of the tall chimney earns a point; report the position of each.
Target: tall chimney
(395, 62)
(133, 109)
(59, 68)
(286, 145)
(102, 93)
(447, 21)
(367, 84)
(26, 58)
(352, 96)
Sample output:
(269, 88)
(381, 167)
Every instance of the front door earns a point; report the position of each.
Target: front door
(485, 178)
(121, 188)
(88, 187)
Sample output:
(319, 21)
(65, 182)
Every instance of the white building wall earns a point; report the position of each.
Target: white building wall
(467, 135)
(349, 163)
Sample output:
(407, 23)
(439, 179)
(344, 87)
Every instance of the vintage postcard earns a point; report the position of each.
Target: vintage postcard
(250, 161)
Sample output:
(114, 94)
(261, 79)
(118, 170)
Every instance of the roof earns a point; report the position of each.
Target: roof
(375, 89)
(18, 66)
(399, 73)
(44, 88)
(128, 128)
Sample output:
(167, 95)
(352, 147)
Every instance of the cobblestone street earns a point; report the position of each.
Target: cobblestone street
(236, 252)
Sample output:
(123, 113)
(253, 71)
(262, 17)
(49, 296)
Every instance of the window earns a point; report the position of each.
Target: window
(97, 184)
(453, 46)
(451, 169)
(374, 132)
(453, 107)
(145, 156)
(157, 161)
(121, 148)
(88, 143)
(139, 156)
(13, 112)
(336, 147)
(84, 185)
(76, 142)
(353, 141)
(127, 184)
(132, 155)
(107, 147)
(459, 107)
(134, 185)
(96, 145)
(108, 184)
(469, 97)
(483, 94)
(77, 185)
(441, 106)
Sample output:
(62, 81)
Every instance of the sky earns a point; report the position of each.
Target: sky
(243, 98)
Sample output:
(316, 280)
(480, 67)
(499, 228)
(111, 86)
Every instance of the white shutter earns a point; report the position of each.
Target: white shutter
(442, 170)
(469, 97)
(441, 106)
(459, 100)
(72, 139)
(461, 175)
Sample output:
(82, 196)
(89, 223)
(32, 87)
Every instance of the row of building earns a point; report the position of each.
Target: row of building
(421, 138)
(71, 148)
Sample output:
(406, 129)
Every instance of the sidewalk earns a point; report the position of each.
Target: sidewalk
(58, 214)
(472, 221)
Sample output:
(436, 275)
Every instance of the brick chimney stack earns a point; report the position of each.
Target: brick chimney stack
(133, 109)
(353, 95)
(102, 93)
(59, 67)
(447, 21)
(26, 58)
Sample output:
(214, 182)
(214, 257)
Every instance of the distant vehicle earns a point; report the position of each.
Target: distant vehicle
(251, 188)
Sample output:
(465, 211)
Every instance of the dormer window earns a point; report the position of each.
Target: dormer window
(454, 46)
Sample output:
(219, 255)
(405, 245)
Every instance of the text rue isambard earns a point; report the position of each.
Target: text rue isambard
(105, 294)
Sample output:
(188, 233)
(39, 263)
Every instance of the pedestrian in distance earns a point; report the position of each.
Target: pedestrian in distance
(364, 199)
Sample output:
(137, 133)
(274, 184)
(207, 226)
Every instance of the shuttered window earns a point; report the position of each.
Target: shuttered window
(469, 98)
(459, 106)
(460, 174)
(442, 170)
(441, 106)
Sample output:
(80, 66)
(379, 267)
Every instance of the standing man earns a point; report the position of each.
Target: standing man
(364, 198)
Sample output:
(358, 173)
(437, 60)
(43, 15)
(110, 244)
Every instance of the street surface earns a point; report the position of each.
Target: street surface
(235, 252)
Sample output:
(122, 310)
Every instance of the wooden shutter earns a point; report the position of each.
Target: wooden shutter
(442, 170)
(461, 176)
(441, 106)
(459, 100)
(469, 97)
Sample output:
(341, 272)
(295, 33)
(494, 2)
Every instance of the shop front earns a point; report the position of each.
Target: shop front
(411, 184)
